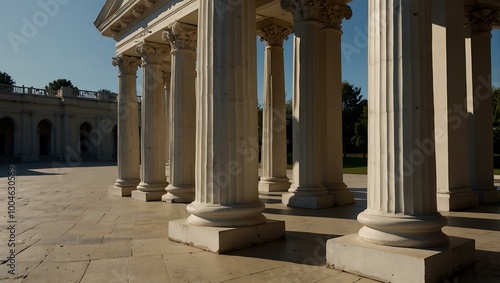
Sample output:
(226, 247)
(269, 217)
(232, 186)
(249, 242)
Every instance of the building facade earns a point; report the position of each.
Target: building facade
(198, 60)
(68, 125)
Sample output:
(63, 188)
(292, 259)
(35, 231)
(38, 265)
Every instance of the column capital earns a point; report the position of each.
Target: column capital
(127, 65)
(481, 19)
(274, 34)
(181, 36)
(332, 14)
(152, 53)
(303, 10)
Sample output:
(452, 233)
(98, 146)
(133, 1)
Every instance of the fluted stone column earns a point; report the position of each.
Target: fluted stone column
(128, 127)
(481, 19)
(452, 174)
(182, 39)
(226, 213)
(330, 83)
(402, 210)
(153, 129)
(167, 76)
(307, 188)
(274, 165)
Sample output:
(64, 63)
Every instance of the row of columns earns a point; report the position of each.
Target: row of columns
(403, 130)
(318, 181)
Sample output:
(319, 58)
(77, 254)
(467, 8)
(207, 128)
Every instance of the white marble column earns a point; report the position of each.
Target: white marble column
(128, 127)
(451, 135)
(167, 77)
(182, 39)
(226, 213)
(402, 227)
(330, 83)
(307, 190)
(481, 19)
(273, 160)
(402, 209)
(153, 147)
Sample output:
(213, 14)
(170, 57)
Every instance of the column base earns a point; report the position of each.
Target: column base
(178, 194)
(457, 199)
(341, 195)
(310, 202)
(392, 264)
(121, 191)
(488, 195)
(273, 185)
(147, 196)
(222, 239)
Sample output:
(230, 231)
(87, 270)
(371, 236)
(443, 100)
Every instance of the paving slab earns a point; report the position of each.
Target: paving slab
(71, 230)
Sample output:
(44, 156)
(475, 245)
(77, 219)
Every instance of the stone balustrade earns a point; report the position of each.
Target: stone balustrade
(62, 92)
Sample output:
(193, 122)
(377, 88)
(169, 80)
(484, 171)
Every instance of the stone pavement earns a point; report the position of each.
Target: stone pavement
(69, 230)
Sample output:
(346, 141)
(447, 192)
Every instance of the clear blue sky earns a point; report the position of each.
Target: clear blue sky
(65, 44)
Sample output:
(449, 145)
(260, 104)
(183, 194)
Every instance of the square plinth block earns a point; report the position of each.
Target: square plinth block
(221, 239)
(310, 202)
(120, 191)
(392, 264)
(270, 187)
(147, 196)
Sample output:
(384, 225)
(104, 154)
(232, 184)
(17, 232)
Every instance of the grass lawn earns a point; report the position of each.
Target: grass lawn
(353, 164)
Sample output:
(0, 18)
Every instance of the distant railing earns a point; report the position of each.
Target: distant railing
(26, 90)
(63, 92)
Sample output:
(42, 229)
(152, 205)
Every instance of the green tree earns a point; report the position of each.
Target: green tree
(352, 108)
(360, 138)
(260, 113)
(107, 91)
(6, 79)
(57, 84)
(496, 119)
(289, 130)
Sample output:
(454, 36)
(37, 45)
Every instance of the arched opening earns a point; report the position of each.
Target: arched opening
(86, 147)
(6, 137)
(44, 131)
(115, 142)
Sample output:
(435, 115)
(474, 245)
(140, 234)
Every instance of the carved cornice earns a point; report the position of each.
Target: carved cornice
(302, 10)
(152, 53)
(332, 13)
(125, 15)
(481, 19)
(274, 34)
(127, 65)
(181, 36)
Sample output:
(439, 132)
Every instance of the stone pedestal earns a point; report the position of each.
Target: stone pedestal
(307, 190)
(224, 239)
(182, 39)
(481, 19)
(128, 127)
(274, 159)
(330, 80)
(391, 264)
(402, 228)
(448, 33)
(153, 147)
(226, 132)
